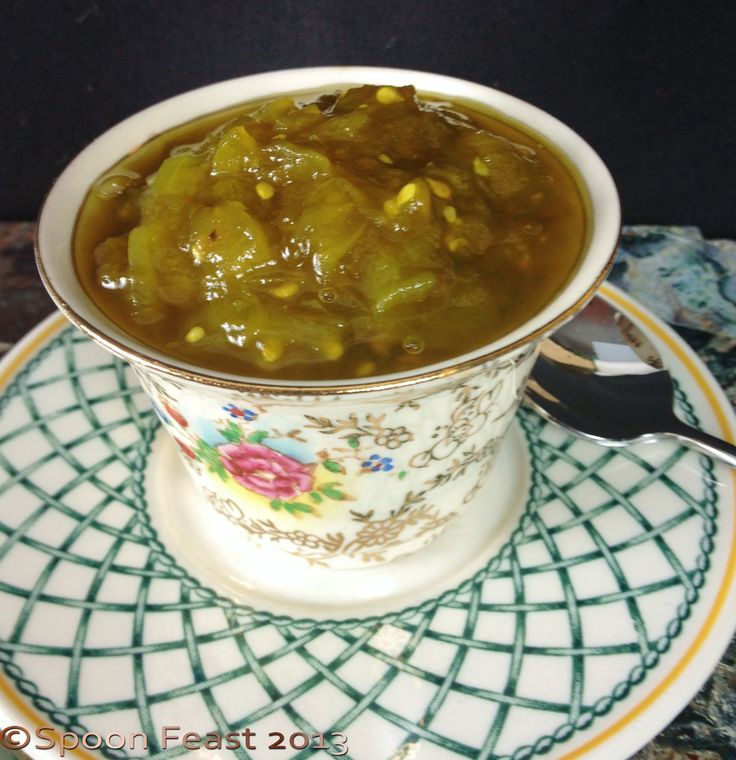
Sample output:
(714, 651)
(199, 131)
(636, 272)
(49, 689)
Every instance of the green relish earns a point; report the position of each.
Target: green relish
(330, 236)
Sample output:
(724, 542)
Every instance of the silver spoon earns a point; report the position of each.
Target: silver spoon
(600, 377)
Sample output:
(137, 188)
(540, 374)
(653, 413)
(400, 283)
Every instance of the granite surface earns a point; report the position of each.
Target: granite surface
(688, 281)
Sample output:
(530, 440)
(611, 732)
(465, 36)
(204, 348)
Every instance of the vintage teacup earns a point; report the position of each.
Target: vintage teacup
(344, 473)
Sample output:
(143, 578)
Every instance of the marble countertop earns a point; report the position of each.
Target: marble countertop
(688, 281)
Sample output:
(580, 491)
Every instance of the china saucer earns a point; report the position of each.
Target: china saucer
(580, 630)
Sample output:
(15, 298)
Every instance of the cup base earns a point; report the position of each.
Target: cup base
(223, 558)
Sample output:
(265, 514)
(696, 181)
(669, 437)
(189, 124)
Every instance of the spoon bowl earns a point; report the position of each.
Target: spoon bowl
(600, 377)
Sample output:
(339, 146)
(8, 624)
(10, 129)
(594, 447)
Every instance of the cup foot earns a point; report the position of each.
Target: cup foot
(222, 557)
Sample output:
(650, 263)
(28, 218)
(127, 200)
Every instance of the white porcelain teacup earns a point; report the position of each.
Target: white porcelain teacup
(343, 473)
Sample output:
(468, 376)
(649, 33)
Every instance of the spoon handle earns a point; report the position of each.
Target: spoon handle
(708, 444)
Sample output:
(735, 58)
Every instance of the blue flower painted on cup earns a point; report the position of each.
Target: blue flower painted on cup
(240, 414)
(377, 463)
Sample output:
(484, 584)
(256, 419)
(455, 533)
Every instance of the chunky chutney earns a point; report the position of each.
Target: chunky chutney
(337, 236)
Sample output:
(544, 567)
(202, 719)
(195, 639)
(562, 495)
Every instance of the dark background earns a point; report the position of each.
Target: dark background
(651, 85)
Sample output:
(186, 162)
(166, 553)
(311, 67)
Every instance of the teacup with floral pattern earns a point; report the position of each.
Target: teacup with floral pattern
(342, 473)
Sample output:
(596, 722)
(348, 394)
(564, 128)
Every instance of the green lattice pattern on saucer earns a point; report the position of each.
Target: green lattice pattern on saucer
(92, 600)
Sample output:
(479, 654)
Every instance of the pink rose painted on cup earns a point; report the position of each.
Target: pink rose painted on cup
(266, 471)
